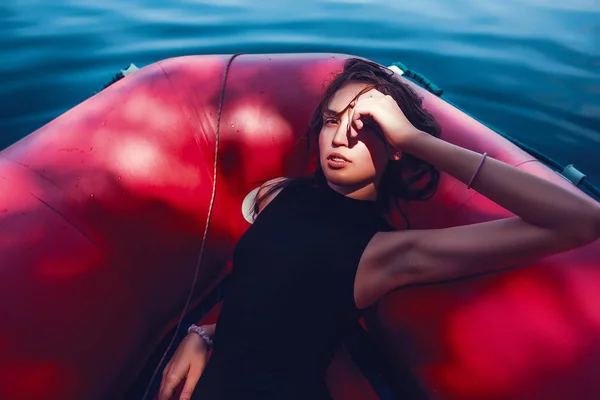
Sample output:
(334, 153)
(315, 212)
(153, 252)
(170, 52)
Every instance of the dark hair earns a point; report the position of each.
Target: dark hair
(408, 179)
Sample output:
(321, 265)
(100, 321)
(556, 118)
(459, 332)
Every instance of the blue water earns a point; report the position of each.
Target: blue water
(528, 67)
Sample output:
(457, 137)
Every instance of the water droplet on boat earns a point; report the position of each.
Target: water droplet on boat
(91, 148)
(232, 125)
(119, 177)
(92, 195)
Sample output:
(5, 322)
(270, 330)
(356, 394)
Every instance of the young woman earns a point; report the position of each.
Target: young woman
(320, 249)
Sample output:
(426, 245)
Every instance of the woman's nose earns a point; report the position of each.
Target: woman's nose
(340, 137)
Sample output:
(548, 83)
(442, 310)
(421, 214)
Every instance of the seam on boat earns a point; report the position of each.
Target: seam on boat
(41, 177)
(110, 260)
(192, 126)
(528, 161)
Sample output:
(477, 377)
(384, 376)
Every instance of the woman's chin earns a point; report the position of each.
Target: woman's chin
(342, 178)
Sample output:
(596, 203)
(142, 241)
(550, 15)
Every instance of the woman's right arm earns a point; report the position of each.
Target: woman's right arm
(189, 360)
(187, 363)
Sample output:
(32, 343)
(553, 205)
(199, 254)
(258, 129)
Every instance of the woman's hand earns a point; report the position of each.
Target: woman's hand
(384, 110)
(187, 363)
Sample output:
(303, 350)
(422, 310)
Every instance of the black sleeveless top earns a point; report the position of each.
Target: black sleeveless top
(290, 300)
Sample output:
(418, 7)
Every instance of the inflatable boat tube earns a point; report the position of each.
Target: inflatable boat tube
(103, 211)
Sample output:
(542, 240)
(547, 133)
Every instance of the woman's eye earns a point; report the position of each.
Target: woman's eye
(330, 121)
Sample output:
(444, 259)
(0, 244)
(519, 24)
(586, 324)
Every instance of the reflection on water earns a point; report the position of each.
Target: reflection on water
(528, 67)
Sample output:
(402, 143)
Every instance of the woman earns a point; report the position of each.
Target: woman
(320, 250)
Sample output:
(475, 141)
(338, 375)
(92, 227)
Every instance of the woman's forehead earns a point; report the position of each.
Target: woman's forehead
(340, 100)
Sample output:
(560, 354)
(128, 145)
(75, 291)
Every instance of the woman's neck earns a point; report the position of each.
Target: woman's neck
(367, 192)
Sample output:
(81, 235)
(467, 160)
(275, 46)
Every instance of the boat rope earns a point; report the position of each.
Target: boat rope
(206, 226)
(418, 78)
(120, 75)
(568, 172)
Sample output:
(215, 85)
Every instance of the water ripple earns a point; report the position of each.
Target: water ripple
(529, 67)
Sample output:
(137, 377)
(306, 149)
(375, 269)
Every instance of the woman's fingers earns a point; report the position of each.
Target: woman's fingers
(357, 122)
(366, 106)
(162, 390)
(359, 112)
(190, 383)
(171, 379)
(350, 118)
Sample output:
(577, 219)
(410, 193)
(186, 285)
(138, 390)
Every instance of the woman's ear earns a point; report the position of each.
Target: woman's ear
(394, 154)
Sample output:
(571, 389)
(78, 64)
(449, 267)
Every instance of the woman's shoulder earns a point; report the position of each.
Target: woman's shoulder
(298, 187)
(268, 191)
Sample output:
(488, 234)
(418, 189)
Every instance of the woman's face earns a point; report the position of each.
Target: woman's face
(351, 165)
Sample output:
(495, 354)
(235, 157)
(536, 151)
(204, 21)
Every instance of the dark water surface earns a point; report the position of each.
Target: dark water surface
(528, 67)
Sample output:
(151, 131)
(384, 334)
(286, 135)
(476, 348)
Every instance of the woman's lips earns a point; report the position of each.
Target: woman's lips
(337, 161)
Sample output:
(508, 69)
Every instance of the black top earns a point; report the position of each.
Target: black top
(290, 300)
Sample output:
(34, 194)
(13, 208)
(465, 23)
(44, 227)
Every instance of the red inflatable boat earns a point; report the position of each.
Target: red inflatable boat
(103, 213)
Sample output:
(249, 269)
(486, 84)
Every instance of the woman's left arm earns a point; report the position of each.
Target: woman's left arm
(550, 219)
(536, 200)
